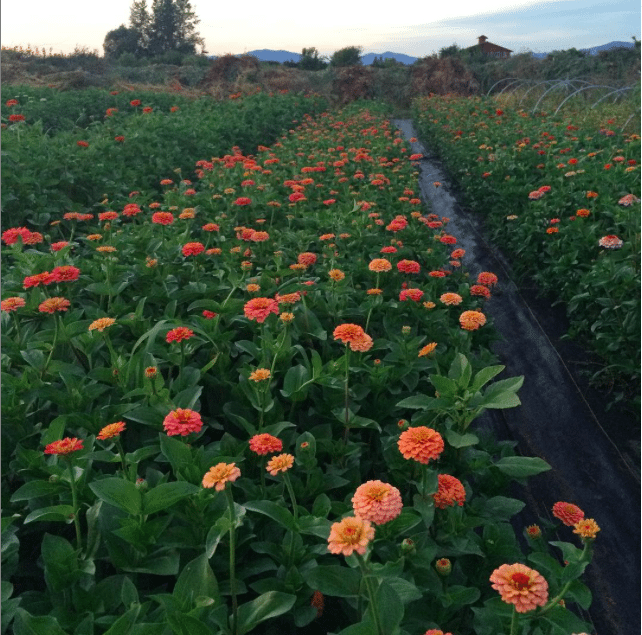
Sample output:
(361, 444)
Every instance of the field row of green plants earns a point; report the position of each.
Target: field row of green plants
(560, 196)
(247, 404)
(67, 150)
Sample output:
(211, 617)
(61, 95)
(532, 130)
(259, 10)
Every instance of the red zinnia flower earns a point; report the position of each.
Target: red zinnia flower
(412, 294)
(408, 266)
(179, 334)
(163, 218)
(243, 200)
(568, 513)
(64, 446)
(12, 304)
(193, 249)
(449, 492)
(262, 444)
(259, 308)
(65, 273)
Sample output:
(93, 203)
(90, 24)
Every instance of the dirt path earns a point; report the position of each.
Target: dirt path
(558, 421)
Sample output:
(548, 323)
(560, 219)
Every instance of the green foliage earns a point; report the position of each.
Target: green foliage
(347, 56)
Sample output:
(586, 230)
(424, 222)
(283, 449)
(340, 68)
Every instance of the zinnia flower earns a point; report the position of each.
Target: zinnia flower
(288, 298)
(408, 266)
(586, 528)
(412, 294)
(219, 475)
(179, 334)
(521, 586)
(421, 444)
(111, 430)
(52, 305)
(348, 333)
(265, 443)
(568, 513)
(486, 278)
(64, 446)
(307, 258)
(101, 324)
(260, 374)
(377, 502)
(362, 344)
(182, 421)
(163, 218)
(610, 242)
(12, 304)
(379, 265)
(427, 349)
(10, 236)
(451, 298)
(449, 492)
(336, 274)
(435, 631)
(349, 535)
(193, 249)
(280, 463)
(480, 289)
(259, 308)
(472, 320)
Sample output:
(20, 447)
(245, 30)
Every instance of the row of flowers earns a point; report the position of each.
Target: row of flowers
(561, 198)
(271, 364)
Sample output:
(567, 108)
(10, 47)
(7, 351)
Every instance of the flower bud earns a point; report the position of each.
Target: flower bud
(403, 425)
(405, 330)
(408, 546)
(533, 532)
(443, 566)
(54, 478)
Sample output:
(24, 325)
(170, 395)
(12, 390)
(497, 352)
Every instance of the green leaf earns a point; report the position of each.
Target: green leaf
(35, 489)
(443, 385)
(177, 452)
(319, 527)
(389, 606)
(425, 507)
(166, 494)
(333, 580)
(34, 357)
(484, 376)
(406, 591)
(27, 624)
(58, 513)
(184, 624)
(501, 394)
(458, 596)
(61, 562)
(522, 466)
(457, 440)
(580, 594)
(501, 507)
(276, 512)
(54, 432)
(119, 493)
(124, 624)
(196, 580)
(418, 402)
(295, 377)
(264, 607)
(460, 370)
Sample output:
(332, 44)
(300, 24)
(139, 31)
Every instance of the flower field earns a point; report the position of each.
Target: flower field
(559, 194)
(243, 399)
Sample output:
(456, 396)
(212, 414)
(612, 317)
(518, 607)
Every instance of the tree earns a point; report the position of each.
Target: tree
(310, 60)
(121, 40)
(173, 27)
(139, 21)
(348, 56)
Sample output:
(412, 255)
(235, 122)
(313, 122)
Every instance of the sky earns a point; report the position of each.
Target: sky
(227, 27)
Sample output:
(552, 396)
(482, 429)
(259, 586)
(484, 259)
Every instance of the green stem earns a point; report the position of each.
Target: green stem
(235, 608)
(514, 622)
(373, 607)
(295, 513)
(53, 346)
(74, 504)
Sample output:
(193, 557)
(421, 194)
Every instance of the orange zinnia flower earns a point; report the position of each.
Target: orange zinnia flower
(435, 631)
(64, 446)
(449, 492)
(586, 528)
(568, 513)
(427, 349)
(163, 218)
(521, 586)
(52, 305)
(421, 444)
(259, 308)
(219, 475)
(280, 463)
(349, 535)
(12, 304)
(336, 274)
(413, 294)
(111, 430)
(472, 320)
(265, 443)
(101, 324)
(361, 344)
(380, 265)
(451, 298)
(193, 249)
(182, 421)
(260, 374)
(348, 333)
(377, 502)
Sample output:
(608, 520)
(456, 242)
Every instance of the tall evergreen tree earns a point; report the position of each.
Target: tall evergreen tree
(139, 21)
(173, 27)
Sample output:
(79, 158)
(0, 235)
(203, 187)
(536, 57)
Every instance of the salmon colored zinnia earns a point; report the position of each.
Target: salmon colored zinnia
(280, 463)
(260, 374)
(472, 320)
(265, 443)
(51, 305)
(101, 324)
(182, 421)
(421, 444)
(377, 502)
(259, 308)
(12, 304)
(568, 513)
(111, 430)
(521, 586)
(221, 474)
(349, 535)
(452, 299)
(348, 333)
(380, 265)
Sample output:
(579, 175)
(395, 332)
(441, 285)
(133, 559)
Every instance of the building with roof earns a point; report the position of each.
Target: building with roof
(494, 50)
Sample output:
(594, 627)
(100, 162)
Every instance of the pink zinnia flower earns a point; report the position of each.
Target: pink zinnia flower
(521, 586)
(377, 502)
(350, 535)
(182, 421)
(259, 308)
(568, 513)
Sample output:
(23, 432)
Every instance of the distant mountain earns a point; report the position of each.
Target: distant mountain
(368, 58)
(596, 49)
(267, 55)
